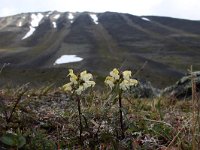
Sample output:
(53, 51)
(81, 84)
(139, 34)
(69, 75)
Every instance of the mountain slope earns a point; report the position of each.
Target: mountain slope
(34, 41)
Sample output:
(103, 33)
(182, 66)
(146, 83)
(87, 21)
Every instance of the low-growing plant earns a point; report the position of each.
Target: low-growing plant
(15, 140)
(37, 139)
(77, 85)
(120, 82)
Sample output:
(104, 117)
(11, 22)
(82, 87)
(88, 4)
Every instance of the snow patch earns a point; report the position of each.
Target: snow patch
(146, 19)
(36, 19)
(67, 59)
(54, 25)
(56, 16)
(71, 17)
(32, 29)
(95, 18)
(24, 17)
(34, 23)
(20, 24)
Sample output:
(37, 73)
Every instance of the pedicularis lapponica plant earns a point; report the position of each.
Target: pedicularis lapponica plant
(77, 85)
(120, 82)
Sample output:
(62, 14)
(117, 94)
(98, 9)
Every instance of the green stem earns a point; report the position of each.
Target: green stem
(120, 113)
(80, 120)
(15, 106)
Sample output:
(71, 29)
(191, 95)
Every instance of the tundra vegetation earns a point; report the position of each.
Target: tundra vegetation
(77, 116)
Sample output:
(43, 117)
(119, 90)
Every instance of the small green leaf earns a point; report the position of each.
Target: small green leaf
(13, 140)
(115, 101)
(9, 139)
(21, 141)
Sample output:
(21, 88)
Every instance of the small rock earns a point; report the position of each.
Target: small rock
(145, 90)
(183, 88)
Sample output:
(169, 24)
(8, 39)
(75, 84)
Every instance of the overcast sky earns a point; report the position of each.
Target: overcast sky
(187, 9)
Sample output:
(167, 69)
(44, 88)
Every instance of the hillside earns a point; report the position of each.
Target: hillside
(30, 43)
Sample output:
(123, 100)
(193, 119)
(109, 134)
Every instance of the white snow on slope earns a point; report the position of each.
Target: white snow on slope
(56, 16)
(20, 24)
(71, 17)
(146, 19)
(95, 18)
(54, 24)
(34, 23)
(32, 29)
(67, 59)
(36, 19)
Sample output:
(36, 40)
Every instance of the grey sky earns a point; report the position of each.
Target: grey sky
(188, 9)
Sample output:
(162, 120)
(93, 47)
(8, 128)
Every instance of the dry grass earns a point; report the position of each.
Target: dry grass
(52, 116)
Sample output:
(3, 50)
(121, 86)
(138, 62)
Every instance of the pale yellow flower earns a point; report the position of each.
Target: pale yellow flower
(80, 90)
(88, 84)
(133, 82)
(73, 77)
(85, 76)
(123, 80)
(67, 87)
(126, 75)
(124, 85)
(110, 81)
(83, 73)
(115, 74)
(82, 83)
(71, 72)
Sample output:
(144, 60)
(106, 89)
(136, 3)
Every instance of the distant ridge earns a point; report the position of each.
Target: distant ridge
(101, 41)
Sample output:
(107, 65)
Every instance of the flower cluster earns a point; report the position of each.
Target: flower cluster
(79, 83)
(122, 79)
